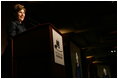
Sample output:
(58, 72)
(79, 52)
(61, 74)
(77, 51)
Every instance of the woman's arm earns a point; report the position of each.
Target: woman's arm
(12, 29)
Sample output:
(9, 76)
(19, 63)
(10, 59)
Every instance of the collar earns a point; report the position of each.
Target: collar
(18, 22)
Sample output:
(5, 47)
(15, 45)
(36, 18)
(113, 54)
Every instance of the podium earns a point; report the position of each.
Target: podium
(38, 53)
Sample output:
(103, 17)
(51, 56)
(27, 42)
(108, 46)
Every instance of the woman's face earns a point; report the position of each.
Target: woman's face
(21, 15)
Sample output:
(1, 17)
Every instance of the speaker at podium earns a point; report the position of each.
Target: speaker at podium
(38, 53)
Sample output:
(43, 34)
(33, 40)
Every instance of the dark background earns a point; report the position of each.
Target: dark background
(92, 25)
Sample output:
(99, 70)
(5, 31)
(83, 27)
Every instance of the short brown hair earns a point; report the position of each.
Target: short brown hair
(19, 7)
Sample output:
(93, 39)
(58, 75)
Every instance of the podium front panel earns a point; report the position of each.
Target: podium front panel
(33, 54)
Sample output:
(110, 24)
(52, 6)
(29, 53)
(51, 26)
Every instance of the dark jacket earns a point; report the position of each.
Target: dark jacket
(15, 28)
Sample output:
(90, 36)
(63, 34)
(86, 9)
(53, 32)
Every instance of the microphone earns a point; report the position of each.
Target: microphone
(29, 22)
(32, 21)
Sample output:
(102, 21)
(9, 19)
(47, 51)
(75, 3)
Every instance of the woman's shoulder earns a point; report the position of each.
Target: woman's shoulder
(12, 25)
(13, 22)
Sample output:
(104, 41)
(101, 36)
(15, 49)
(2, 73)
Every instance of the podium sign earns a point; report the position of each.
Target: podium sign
(58, 48)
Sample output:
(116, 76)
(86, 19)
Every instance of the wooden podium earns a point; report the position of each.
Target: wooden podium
(38, 53)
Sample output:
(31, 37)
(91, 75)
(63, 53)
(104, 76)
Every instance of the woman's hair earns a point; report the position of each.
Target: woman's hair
(16, 9)
(19, 7)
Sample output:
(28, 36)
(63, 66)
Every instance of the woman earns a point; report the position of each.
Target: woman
(16, 26)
